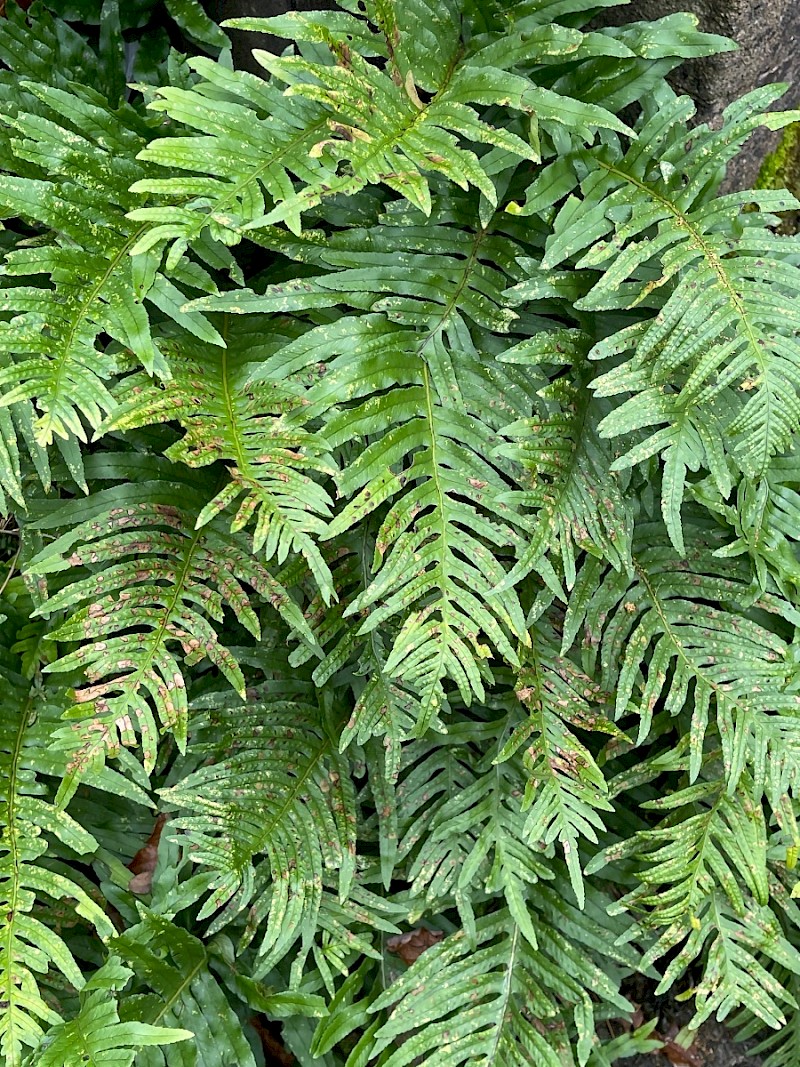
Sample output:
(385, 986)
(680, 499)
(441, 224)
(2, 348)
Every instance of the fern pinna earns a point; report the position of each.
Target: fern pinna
(399, 498)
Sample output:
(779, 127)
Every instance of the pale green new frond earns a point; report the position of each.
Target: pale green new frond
(278, 789)
(274, 466)
(155, 581)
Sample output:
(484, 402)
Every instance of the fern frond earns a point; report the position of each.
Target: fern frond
(763, 517)
(578, 503)
(462, 825)
(281, 790)
(384, 131)
(652, 50)
(721, 327)
(155, 581)
(182, 990)
(97, 1037)
(27, 946)
(52, 347)
(256, 142)
(704, 887)
(736, 973)
(720, 841)
(676, 625)
(498, 1000)
(341, 125)
(382, 708)
(777, 1047)
(419, 394)
(229, 416)
(566, 790)
(62, 55)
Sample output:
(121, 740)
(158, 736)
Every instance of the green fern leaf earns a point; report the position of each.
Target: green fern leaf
(720, 325)
(343, 125)
(185, 993)
(155, 581)
(566, 790)
(28, 947)
(97, 1037)
(229, 416)
(283, 791)
(55, 333)
(657, 634)
(478, 1001)
(578, 504)
(462, 827)
(257, 138)
(704, 886)
(430, 433)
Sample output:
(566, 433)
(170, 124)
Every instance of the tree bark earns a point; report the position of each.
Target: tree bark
(768, 35)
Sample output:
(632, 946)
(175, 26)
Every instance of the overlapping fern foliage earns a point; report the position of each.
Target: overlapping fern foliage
(397, 463)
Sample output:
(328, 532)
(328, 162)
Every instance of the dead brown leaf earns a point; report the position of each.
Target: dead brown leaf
(144, 862)
(409, 947)
(275, 1052)
(679, 1055)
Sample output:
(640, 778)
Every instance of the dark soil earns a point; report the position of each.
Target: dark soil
(714, 1045)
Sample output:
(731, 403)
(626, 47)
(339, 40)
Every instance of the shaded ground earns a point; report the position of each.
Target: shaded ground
(713, 1047)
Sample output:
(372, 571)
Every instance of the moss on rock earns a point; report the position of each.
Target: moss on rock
(781, 170)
